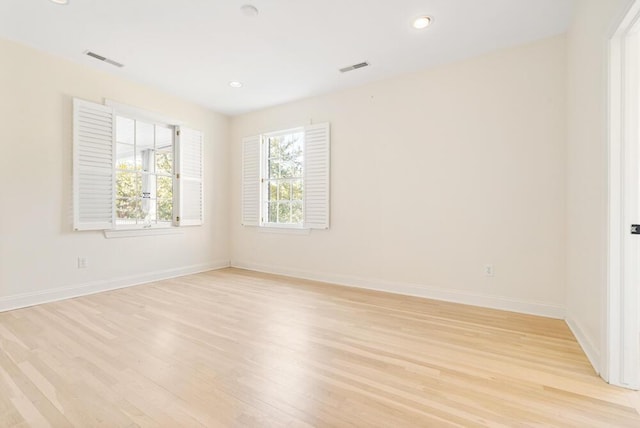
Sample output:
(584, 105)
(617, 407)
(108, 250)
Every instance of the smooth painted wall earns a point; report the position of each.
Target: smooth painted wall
(38, 249)
(434, 175)
(587, 169)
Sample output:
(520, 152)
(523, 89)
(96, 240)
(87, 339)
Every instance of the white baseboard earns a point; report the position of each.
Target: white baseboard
(589, 349)
(417, 290)
(39, 297)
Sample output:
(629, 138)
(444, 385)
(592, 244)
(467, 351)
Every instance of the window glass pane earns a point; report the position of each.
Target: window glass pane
(164, 162)
(273, 191)
(296, 146)
(296, 212)
(164, 209)
(124, 157)
(285, 144)
(145, 159)
(142, 151)
(164, 150)
(274, 147)
(296, 189)
(272, 211)
(296, 167)
(125, 130)
(286, 170)
(164, 138)
(144, 146)
(148, 209)
(164, 187)
(284, 212)
(148, 186)
(291, 146)
(285, 148)
(144, 135)
(164, 192)
(274, 169)
(285, 191)
(284, 174)
(125, 137)
(128, 211)
(128, 185)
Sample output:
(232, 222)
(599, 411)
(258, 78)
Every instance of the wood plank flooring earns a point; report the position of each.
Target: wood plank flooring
(232, 348)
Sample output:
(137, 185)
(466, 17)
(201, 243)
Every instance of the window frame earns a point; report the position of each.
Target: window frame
(148, 119)
(95, 168)
(316, 180)
(265, 179)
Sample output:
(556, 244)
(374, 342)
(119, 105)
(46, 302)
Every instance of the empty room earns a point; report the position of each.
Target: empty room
(279, 213)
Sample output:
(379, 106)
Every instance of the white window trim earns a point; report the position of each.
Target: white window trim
(316, 209)
(135, 113)
(114, 230)
(267, 225)
(264, 161)
(149, 231)
(285, 230)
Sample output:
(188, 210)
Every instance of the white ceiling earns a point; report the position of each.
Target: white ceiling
(291, 50)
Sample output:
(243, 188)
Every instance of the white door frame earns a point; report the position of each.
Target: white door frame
(621, 356)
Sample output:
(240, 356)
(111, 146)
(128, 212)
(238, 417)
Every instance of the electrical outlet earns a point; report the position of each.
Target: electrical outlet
(488, 270)
(82, 262)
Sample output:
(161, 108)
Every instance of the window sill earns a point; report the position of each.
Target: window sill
(127, 233)
(284, 230)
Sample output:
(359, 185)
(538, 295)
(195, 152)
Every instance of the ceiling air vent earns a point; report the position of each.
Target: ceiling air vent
(103, 59)
(354, 67)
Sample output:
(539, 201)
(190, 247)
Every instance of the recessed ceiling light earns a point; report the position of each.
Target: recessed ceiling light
(421, 22)
(60, 1)
(235, 84)
(249, 10)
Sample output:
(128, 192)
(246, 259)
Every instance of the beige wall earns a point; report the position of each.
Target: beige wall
(587, 179)
(38, 249)
(434, 175)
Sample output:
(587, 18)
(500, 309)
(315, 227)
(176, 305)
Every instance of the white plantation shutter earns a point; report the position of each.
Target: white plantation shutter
(316, 176)
(251, 181)
(93, 166)
(190, 182)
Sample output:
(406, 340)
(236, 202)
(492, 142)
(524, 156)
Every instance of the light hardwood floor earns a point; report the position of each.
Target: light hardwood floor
(232, 348)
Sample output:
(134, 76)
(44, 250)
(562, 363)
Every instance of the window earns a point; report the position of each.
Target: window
(134, 172)
(144, 172)
(285, 178)
(283, 183)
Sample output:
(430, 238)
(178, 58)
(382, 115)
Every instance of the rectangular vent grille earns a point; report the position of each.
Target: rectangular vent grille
(103, 59)
(354, 67)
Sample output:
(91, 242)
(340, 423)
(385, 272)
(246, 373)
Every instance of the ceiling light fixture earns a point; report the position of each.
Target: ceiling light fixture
(60, 1)
(235, 84)
(421, 22)
(249, 10)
